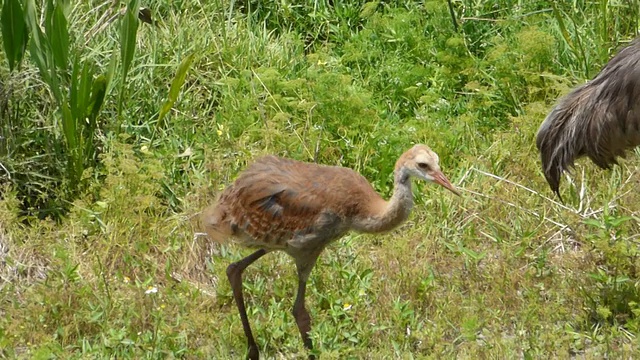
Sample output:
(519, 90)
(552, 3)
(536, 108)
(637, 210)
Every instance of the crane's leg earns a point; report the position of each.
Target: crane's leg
(300, 313)
(234, 273)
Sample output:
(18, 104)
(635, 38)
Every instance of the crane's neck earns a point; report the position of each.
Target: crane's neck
(387, 215)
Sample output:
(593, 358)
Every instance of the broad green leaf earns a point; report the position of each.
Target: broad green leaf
(111, 70)
(74, 92)
(69, 128)
(38, 55)
(594, 222)
(85, 81)
(15, 33)
(617, 221)
(174, 91)
(31, 17)
(54, 82)
(98, 92)
(72, 114)
(41, 52)
(38, 47)
(58, 34)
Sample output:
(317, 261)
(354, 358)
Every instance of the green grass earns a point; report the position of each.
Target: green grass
(505, 271)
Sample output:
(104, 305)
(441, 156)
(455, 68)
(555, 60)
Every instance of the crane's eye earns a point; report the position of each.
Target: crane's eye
(424, 166)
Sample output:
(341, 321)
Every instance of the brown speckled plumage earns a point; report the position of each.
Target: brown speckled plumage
(276, 199)
(299, 208)
(600, 119)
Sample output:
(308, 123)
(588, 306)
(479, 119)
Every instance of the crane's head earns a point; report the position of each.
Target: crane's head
(423, 163)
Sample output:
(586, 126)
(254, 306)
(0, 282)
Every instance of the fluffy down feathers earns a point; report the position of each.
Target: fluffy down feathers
(276, 199)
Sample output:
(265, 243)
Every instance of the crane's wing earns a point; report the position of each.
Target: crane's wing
(275, 200)
(600, 119)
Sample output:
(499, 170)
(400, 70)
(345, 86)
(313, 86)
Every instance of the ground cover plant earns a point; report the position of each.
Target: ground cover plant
(118, 125)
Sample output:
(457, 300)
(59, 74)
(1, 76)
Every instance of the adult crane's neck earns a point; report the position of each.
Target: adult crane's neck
(390, 214)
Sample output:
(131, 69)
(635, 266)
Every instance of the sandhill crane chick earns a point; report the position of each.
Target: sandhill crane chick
(299, 208)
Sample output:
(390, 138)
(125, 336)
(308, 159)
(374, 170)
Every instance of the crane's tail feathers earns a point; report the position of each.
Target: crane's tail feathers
(212, 222)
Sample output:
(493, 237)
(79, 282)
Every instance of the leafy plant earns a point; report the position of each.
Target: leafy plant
(616, 277)
(78, 89)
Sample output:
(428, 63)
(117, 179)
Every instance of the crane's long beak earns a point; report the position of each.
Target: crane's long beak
(439, 178)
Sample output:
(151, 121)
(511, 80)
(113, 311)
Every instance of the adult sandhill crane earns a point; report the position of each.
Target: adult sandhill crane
(299, 208)
(600, 119)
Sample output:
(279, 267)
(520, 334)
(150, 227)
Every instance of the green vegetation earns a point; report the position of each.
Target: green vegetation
(115, 133)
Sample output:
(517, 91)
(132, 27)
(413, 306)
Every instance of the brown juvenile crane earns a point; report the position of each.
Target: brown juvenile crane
(599, 119)
(299, 208)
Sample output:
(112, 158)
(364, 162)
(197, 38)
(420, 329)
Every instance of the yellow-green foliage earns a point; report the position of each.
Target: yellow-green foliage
(119, 269)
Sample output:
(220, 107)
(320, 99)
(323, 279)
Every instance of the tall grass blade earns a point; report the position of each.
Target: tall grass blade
(128, 33)
(583, 54)
(604, 25)
(579, 52)
(174, 91)
(563, 28)
(452, 12)
(128, 37)
(15, 34)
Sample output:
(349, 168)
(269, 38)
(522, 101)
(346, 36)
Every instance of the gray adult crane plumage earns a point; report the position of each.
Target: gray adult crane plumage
(599, 119)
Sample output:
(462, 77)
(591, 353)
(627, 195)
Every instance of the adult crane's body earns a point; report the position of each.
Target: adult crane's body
(599, 119)
(299, 208)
